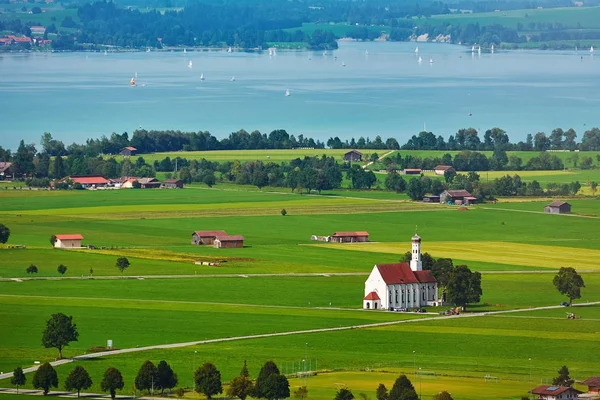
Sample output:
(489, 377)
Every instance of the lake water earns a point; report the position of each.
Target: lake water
(387, 92)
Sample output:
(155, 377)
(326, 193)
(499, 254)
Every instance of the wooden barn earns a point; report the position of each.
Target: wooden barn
(350, 237)
(173, 184)
(558, 207)
(441, 169)
(455, 196)
(149, 183)
(412, 171)
(353, 156)
(229, 242)
(206, 237)
(128, 151)
(5, 170)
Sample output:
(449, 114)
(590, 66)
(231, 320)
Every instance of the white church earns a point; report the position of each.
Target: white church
(401, 285)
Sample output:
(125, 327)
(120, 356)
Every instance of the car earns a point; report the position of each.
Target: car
(564, 304)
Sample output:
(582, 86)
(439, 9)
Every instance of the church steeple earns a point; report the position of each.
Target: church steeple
(415, 262)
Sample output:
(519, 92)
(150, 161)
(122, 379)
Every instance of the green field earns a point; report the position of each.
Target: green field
(514, 245)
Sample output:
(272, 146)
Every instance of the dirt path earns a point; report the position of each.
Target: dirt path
(379, 159)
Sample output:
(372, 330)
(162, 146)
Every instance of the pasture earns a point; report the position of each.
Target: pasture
(165, 298)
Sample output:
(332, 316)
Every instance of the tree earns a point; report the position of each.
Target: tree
(270, 384)
(441, 270)
(301, 393)
(112, 381)
(208, 380)
(60, 331)
(241, 386)
(18, 378)
(283, 212)
(443, 396)
(344, 394)
(45, 378)
(4, 233)
(122, 264)
(78, 379)
(464, 286)
(61, 269)
(415, 189)
(569, 283)
(403, 390)
(52, 240)
(23, 160)
(166, 378)
(147, 376)
(594, 187)
(563, 378)
(382, 392)
(32, 269)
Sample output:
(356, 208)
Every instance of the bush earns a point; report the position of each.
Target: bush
(283, 212)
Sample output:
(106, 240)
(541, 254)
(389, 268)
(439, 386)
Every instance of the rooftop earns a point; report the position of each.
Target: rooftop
(69, 236)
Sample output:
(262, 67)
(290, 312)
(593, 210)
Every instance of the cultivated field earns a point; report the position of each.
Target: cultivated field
(281, 282)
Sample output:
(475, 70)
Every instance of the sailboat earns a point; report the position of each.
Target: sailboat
(479, 50)
(147, 49)
(270, 53)
(366, 52)
(431, 61)
(232, 79)
(105, 53)
(343, 64)
(492, 48)
(417, 49)
(287, 92)
(591, 49)
(190, 64)
(201, 77)
(229, 50)
(132, 82)
(135, 75)
(420, 60)
(324, 53)
(473, 49)
(184, 51)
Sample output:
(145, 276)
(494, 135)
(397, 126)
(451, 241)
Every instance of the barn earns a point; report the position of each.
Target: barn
(206, 237)
(128, 151)
(441, 169)
(455, 196)
(229, 242)
(173, 184)
(68, 241)
(88, 181)
(412, 171)
(558, 207)
(353, 156)
(350, 237)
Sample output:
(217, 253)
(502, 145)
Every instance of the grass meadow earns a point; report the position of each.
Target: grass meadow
(514, 245)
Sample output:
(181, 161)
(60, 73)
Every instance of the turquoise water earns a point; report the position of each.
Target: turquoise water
(387, 92)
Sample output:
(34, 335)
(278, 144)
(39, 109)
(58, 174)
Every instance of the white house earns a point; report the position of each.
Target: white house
(401, 285)
(68, 241)
(547, 392)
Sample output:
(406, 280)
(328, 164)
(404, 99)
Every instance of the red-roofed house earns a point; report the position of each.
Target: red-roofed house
(89, 180)
(206, 237)
(128, 151)
(68, 241)
(401, 285)
(20, 39)
(593, 385)
(547, 392)
(350, 237)
(225, 241)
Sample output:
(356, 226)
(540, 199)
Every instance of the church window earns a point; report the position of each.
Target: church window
(403, 296)
(396, 296)
(390, 297)
(423, 296)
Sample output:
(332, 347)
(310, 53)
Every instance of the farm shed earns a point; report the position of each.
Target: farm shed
(149, 183)
(353, 156)
(412, 171)
(128, 151)
(454, 196)
(229, 242)
(547, 392)
(173, 184)
(350, 237)
(5, 170)
(441, 169)
(558, 207)
(68, 241)
(88, 180)
(206, 237)
(431, 199)
(593, 385)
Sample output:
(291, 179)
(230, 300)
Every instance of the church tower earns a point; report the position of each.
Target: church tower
(415, 262)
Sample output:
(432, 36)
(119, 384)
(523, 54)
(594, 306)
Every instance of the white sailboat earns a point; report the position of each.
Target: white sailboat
(201, 77)
(366, 52)
(591, 49)
(229, 50)
(417, 49)
(420, 60)
(431, 61)
(479, 50)
(232, 79)
(184, 51)
(105, 53)
(343, 64)
(270, 52)
(147, 49)
(287, 93)
(492, 48)
(190, 64)
(132, 82)
(324, 53)
(473, 49)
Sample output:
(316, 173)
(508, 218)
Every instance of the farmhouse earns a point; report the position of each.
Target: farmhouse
(230, 242)
(67, 241)
(5, 170)
(456, 197)
(149, 183)
(88, 181)
(128, 151)
(401, 285)
(593, 385)
(206, 237)
(173, 184)
(441, 169)
(353, 156)
(558, 207)
(350, 237)
(547, 392)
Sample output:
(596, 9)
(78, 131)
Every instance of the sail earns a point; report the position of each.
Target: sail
(132, 82)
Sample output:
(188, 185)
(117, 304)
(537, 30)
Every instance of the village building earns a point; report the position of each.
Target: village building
(547, 392)
(173, 184)
(593, 385)
(229, 242)
(441, 169)
(88, 181)
(401, 285)
(412, 171)
(37, 30)
(149, 183)
(5, 170)
(431, 199)
(68, 241)
(206, 237)
(128, 151)
(350, 237)
(457, 197)
(353, 156)
(558, 207)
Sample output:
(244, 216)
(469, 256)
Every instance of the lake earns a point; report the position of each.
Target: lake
(386, 92)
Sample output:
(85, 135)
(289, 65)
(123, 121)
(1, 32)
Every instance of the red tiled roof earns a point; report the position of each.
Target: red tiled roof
(399, 273)
(424, 276)
(89, 179)
(552, 390)
(172, 180)
(230, 238)
(444, 167)
(209, 233)
(593, 381)
(358, 233)
(70, 236)
(413, 169)
(372, 296)
(130, 148)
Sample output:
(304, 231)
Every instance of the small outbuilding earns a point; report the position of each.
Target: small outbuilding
(372, 301)
(547, 392)
(350, 237)
(593, 384)
(558, 207)
(412, 171)
(206, 237)
(441, 169)
(454, 196)
(5, 170)
(128, 151)
(173, 184)
(229, 242)
(149, 183)
(353, 156)
(68, 241)
(431, 199)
